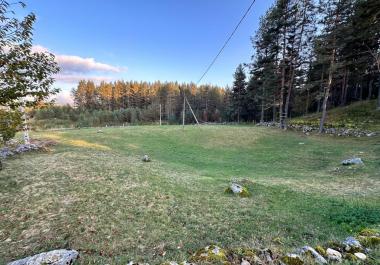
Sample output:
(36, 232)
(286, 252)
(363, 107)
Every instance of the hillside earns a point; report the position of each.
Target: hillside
(359, 115)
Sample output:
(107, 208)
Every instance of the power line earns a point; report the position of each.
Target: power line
(226, 42)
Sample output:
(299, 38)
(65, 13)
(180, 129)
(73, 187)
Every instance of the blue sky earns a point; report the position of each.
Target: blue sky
(145, 40)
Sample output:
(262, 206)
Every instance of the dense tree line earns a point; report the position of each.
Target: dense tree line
(131, 102)
(310, 56)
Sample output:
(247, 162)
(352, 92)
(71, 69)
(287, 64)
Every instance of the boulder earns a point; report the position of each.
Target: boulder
(360, 256)
(146, 158)
(54, 257)
(238, 189)
(313, 253)
(333, 255)
(352, 161)
(292, 259)
(351, 245)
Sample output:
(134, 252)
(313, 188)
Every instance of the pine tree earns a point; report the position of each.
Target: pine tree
(239, 92)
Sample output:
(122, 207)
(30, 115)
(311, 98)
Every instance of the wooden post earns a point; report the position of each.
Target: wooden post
(191, 109)
(160, 116)
(183, 112)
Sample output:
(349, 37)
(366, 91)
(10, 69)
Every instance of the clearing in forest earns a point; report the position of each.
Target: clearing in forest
(93, 193)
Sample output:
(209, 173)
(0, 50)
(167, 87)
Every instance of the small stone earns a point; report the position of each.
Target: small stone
(352, 161)
(292, 259)
(54, 257)
(146, 158)
(360, 256)
(317, 257)
(352, 244)
(244, 262)
(333, 255)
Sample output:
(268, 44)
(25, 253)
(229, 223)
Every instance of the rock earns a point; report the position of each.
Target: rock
(351, 244)
(321, 251)
(209, 254)
(54, 257)
(360, 256)
(146, 158)
(244, 262)
(266, 255)
(333, 255)
(99, 131)
(352, 161)
(311, 251)
(238, 189)
(292, 259)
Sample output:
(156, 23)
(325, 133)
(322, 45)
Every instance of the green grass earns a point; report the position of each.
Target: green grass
(93, 193)
(360, 115)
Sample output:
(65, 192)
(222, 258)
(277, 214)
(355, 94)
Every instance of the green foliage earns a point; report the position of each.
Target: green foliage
(10, 121)
(23, 73)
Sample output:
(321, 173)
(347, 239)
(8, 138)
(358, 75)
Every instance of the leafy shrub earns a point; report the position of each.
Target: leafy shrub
(10, 121)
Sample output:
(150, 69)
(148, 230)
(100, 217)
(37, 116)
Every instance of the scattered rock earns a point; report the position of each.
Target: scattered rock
(307, 129)
(352, 161)
(146, 158)
(333, 255)
(238, 189)
(210, 253)
(321, 251)
(292, 259)
(54, 257)
(244, 262)
(360, 256)
(351, 245)
(312, 252)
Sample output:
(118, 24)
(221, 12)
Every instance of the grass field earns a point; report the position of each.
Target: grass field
(93, 193)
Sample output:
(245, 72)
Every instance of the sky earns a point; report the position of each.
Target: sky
(149, 40)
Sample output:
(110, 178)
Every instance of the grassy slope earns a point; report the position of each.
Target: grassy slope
(361, 115)
(93, 193)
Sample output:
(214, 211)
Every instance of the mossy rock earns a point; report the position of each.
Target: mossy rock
(350, 257)
(321, 251)
(244, 193)
(211, 254)
(369, 232)
(245, 252)
(338, 246)
(369, 241)
(292, 260)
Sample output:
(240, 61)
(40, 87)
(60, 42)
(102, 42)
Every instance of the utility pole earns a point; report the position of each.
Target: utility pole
(160, 115)
(183, 112)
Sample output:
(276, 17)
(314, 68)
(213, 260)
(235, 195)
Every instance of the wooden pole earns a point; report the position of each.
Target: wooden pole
(183, 112)
(160, 116)
(191, 109)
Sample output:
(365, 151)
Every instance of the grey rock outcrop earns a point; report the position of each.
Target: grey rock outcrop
(54, 257)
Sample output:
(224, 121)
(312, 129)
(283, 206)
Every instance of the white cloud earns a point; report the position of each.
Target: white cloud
(69, 78)
(75, 68)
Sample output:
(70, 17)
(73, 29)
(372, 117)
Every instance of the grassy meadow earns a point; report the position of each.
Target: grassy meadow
(93, 193)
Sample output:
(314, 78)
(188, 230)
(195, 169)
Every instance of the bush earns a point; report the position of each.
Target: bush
(10, 121)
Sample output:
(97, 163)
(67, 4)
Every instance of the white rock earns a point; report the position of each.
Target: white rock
(236, 188)
(216, 250)
(333, 255)
(54, 257)
(360, 256)
(244, 262)
(318, 257)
